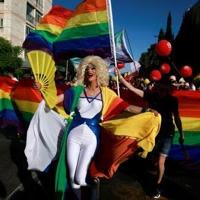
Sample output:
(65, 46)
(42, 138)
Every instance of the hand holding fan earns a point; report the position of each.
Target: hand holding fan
(43, 67)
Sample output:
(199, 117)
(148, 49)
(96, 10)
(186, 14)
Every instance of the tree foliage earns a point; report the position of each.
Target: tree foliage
(9, 57)
(187, 41)
(168, 33)
(149, 61)
(184, 47)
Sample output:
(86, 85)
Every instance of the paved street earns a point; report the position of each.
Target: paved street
(132, 182)
(8, 169)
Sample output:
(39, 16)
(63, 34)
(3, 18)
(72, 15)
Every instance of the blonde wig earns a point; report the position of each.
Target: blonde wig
(101, 70)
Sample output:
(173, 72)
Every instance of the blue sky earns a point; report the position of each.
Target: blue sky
(142, 19)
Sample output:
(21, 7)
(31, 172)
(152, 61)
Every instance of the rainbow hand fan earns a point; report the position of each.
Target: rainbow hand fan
(43, 67)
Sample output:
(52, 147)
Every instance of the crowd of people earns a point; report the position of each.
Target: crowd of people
(144, 83)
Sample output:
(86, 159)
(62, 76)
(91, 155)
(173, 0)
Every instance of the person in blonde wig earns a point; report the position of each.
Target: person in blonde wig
(96, 138)
(89, 103)
(101, 70)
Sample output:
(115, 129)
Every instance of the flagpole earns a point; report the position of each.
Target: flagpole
(112, 39)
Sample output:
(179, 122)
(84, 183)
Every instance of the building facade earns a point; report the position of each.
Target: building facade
(19, 17)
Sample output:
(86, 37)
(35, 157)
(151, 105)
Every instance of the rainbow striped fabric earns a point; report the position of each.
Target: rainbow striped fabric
(18, 102)
(189, 109)
(8, 115)
(27, 99)
(86, 32)
(78, 33)
(49, 27)
(120, 145)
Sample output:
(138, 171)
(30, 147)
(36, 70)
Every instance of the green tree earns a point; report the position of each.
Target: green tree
(149, 61)
(161, 35)
(168, 34)
(187, 41)
(9, 57)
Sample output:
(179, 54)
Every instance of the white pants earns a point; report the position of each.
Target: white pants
(81, 146)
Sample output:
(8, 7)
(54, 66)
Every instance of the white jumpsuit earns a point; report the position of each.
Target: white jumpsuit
(83, 138)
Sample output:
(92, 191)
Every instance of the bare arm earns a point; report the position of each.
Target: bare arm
(178, 123)
(129, 86)
(136, 110)
(60, 98)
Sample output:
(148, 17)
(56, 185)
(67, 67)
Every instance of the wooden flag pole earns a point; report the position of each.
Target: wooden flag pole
(112, 39)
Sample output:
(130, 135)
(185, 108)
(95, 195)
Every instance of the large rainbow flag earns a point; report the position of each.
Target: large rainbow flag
(189, 108)
(8, 116)
(47, 30)
(86, 32)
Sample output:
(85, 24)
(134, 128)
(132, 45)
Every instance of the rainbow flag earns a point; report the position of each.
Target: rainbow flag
(8, 115)
(47, 30)
(85, 33)
(27, 99)
(189, 108)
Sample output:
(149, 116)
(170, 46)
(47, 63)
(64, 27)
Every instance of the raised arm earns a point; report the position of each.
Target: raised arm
(128, 85)
(60, 97)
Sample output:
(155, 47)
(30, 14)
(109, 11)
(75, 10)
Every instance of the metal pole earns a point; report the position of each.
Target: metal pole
(112, 39)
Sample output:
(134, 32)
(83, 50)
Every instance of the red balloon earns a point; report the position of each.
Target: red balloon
(155, 75)
(163, 48)
(165, 68)
(186, 71)
(120, 65)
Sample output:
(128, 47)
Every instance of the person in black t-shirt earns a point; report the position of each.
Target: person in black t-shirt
(161, 99)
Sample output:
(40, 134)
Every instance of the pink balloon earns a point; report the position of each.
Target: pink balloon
(165, 68)
(186, 71)
(163, 48)
(155, 75)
